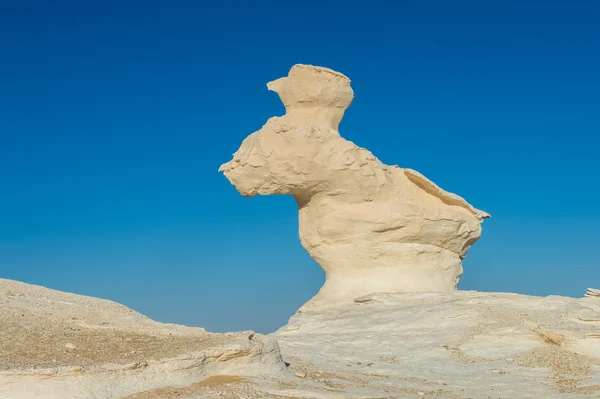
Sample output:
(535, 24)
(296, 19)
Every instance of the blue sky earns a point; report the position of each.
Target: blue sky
(115, 116)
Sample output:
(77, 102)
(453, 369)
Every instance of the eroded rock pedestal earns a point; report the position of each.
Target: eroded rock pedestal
(372, 227)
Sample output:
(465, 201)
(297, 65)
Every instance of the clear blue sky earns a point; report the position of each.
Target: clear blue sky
(115, 115)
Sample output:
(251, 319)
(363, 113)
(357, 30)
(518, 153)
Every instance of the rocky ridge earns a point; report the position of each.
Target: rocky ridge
(58, 345)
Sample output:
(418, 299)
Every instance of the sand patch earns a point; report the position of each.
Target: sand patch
(182, 392)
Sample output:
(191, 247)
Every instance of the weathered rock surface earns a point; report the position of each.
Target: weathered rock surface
(372, 227)
(55, 345)
(435, 345)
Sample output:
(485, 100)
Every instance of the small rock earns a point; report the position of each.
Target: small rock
(70, 346)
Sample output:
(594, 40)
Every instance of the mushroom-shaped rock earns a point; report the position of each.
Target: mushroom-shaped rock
(371, 227)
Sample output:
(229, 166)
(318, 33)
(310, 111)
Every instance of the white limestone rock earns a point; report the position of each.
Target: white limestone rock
(372, 227)
(460, 345)
(592, 293)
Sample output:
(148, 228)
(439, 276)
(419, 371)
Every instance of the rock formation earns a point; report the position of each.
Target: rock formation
(592, 293)
(371, 227)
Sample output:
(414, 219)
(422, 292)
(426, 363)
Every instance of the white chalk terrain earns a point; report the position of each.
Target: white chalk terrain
(388, 323)
(55, 345)
(436, 345)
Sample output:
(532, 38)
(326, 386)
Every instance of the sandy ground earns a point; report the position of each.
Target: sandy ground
(59, 345)
(34, 339)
